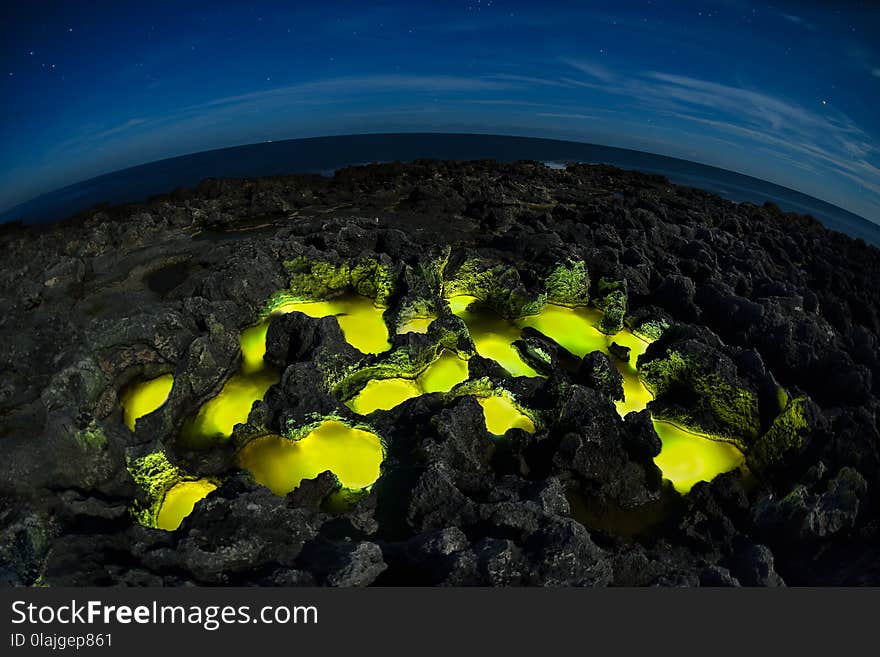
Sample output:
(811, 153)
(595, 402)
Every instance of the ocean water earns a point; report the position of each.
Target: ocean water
(323, 155)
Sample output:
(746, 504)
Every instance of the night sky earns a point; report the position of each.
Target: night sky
(786, 92)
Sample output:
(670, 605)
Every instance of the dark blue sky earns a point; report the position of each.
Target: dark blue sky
(788, 92)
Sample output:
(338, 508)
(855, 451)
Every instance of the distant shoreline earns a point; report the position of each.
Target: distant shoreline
(321, 155)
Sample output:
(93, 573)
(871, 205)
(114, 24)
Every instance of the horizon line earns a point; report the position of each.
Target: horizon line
(6, 214)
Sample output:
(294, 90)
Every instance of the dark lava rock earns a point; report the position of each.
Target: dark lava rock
(619, 351)
(766, 330)
(598, 372)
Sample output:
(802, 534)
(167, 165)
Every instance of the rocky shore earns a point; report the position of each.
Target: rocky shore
(764, 329)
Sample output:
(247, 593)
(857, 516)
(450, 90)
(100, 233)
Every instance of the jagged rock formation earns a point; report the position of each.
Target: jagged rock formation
(767, 331)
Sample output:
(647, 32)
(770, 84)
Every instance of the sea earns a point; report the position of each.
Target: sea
(324, 155)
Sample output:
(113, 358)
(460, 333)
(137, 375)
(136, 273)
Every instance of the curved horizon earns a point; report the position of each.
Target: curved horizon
(90, 90)
(7, 212)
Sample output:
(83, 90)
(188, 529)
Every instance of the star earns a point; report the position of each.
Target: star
(824, 102)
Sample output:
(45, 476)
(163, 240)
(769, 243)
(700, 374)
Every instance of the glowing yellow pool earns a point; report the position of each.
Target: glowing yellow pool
(636, 395)
(143, 398)
(443, 374)
(179, 502)
(501, 414)
(360, 319)
(353, 455)
(218, 416)
(253, 347)
(574, 329)
(383, 394)
(493, 336)
(687, 458)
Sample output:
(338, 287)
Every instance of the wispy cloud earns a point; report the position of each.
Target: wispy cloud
(829, 136)
(327, 90)
(822, 137)
(531, 80)
(503, 102)
(592, 69)
(304, 95)
(654, 109)
(797, 20)
(121, 128)
(565, 115)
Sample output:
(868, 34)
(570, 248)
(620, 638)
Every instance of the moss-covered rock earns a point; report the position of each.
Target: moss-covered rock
(403, 362)
(786, 435)
(648, 322)
(698, 386)
(612, 301)
(421, 287)
(568, 284)
(92, 436)
(450, 332)
(497, 285)
(155, 475)
(317, 279)
(312, 278)
(373, 279)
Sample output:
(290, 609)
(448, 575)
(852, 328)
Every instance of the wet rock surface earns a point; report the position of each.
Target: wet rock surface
(767, 330)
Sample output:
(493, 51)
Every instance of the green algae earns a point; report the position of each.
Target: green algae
(318, 279)
(650, 330)
(612, 301)
(735, 410)
(372, 279)
(92, 436)
(154, 474)
(169, 492)
(785, 434)
(568, 284)
(497, 286)
(782, 399)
